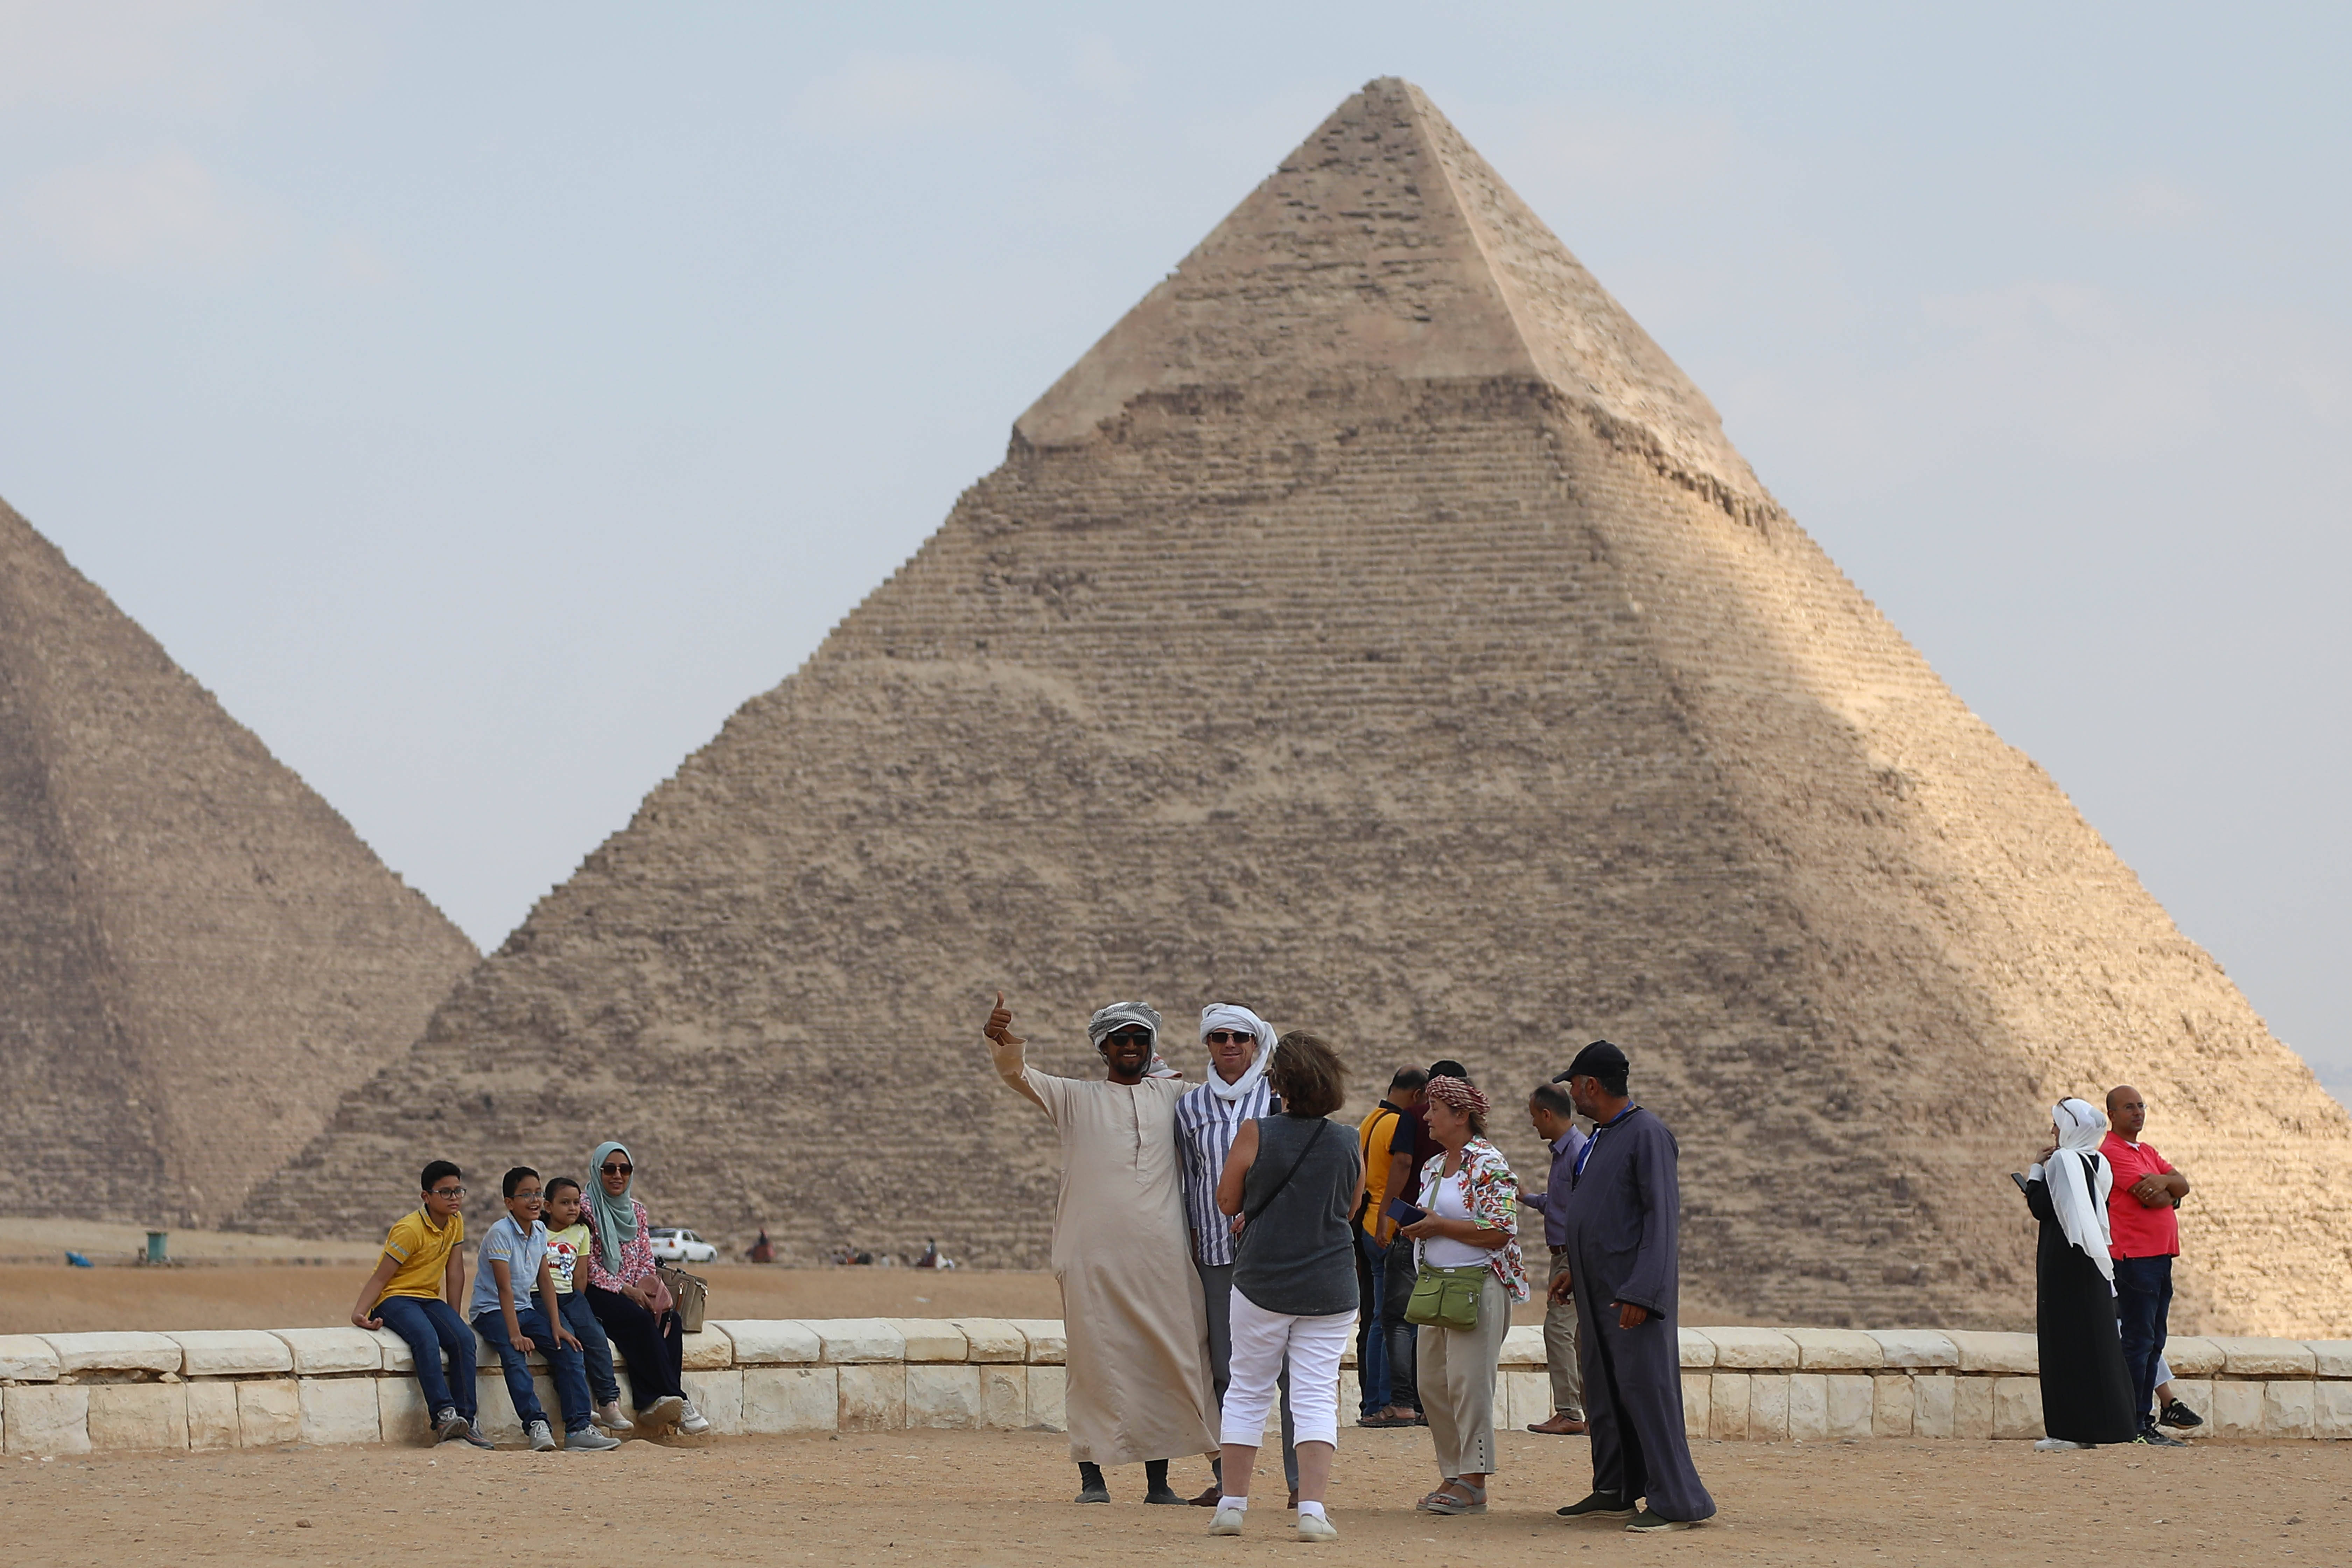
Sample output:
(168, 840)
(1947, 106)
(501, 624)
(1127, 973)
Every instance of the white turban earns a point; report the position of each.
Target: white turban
(1231, 1016)
(2079, 1180)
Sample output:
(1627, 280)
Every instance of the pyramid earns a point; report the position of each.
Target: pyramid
(198, 957)
(1377, 628)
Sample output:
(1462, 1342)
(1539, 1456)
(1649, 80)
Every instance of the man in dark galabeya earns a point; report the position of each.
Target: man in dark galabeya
(1623, 1221)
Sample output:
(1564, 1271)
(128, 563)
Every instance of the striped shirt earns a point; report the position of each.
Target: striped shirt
(1206, 1127)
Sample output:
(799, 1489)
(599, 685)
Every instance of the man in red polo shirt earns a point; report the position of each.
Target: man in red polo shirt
(2141, 1218)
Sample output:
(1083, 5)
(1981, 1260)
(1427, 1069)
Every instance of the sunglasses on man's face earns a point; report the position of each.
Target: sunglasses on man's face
(1228, 1037)
(1126, 1038)
(613, 1170)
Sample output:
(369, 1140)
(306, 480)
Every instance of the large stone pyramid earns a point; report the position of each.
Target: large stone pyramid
(1376, 626)
(198, 957)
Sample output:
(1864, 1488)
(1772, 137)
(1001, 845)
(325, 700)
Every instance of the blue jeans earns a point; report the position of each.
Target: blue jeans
(1371, 1333)
(563, 1365)
(2143, 1303)
(431, 1326)
(596, 1350)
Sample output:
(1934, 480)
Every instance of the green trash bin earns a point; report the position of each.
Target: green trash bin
(155, 1240)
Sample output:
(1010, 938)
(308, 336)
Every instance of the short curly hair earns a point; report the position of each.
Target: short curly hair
(1307, 1073)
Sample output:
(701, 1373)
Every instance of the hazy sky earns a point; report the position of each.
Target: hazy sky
(484, 401)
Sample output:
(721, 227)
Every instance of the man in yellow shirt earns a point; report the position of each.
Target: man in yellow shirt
(414, 1292)
(1375, 1237)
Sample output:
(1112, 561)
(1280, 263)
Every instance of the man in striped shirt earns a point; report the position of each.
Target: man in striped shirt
(1208, 1120)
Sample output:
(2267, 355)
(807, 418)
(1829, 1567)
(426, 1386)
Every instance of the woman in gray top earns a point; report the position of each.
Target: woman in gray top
(1292, 1182)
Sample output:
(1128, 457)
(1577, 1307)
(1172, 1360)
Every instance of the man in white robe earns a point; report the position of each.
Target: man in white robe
(1131, 1308)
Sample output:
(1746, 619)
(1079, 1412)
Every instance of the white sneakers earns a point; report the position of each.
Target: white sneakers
(1311, 1526)
(693, 1423)
(609, 1416)
(2056, 1446)
(663, 1412)
(542, 1440)
(588, 1440)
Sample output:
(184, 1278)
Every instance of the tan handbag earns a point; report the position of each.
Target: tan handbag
(687, 1294)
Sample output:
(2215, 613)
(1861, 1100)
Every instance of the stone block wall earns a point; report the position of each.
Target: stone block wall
(117, 1393)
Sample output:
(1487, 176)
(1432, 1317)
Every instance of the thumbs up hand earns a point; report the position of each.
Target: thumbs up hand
(1005, 1046)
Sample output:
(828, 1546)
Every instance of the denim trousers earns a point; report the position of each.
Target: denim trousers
(2143, 1303)
(563, 1366)
(431, 1325)
(596, 1350)
(1371, 1332)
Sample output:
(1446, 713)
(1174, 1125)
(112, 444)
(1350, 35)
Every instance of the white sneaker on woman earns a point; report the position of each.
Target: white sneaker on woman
(1227, 1522)
(661, 1414)
(1315, 1527)
(694, 1422)
(2056, 1446)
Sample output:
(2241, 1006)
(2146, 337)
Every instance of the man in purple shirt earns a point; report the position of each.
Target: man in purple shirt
(1553, 1114)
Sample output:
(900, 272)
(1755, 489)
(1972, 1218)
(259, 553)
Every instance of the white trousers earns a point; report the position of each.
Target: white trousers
(1262, 1340)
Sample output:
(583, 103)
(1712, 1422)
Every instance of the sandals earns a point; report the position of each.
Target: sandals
(1444, 1500)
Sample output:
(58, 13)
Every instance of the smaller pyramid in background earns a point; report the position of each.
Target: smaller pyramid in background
(198, 957)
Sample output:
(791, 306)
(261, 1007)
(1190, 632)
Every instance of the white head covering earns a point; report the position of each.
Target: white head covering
(1232, 1015)
(1127, 1014)
(2079, 1180)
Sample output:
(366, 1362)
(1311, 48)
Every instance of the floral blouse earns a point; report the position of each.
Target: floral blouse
(636, 1256)
(1494, 1202)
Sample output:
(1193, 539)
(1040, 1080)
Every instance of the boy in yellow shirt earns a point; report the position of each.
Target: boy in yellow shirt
(414, 1292)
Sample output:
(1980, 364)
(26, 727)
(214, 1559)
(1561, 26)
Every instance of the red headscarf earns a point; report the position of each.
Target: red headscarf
(1458, 1094)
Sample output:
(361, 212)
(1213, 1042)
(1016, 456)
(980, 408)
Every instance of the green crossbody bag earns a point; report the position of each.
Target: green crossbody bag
(1448, 1298)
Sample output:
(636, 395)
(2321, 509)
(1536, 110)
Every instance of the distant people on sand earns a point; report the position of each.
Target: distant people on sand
(1291, 1185)
(1623, 1236)
(415, 1292)
(2086, 1391)
(1233, 1094)
(1133, 1324)
(2144, 1221)
(761, 1250)
(1464, 1225)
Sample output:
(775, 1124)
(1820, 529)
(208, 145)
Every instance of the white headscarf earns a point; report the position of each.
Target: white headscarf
(2079, 1195)
(1232, 1015)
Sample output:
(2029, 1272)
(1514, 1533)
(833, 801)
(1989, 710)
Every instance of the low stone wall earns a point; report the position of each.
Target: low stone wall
(104, 1393)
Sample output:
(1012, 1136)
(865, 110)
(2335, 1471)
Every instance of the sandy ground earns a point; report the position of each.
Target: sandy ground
(51, 1298)
(46, 1240)
(1002, 1498)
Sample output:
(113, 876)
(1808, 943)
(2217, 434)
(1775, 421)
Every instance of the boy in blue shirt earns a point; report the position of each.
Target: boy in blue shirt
(513, 1263)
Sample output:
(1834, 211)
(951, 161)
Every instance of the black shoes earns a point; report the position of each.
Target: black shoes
(1598, 1505)
(2158, 1439)
(1647, 1522)
(2179, 1415)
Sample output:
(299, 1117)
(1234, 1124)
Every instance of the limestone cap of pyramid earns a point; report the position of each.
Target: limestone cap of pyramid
(1385, 245)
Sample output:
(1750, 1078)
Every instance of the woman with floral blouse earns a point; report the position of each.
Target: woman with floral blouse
(629, 1299)
(1469, 1232)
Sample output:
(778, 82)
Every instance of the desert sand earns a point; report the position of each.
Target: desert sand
(1002, 1498)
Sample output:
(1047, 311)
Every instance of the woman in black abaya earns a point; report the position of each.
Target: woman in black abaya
(2086, 1394)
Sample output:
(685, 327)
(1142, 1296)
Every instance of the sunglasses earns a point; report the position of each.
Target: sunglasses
(1128, 1037)
(612, 1169)
(1228, 1037)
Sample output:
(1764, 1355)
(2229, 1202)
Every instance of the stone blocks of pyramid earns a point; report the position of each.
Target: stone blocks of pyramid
(1377, 628)
(198, 957)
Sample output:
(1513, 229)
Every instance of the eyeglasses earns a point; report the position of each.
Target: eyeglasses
(446, 1192)
(1228, 1037)
(1128, 1037)
(530, 1195)
(612, 1169)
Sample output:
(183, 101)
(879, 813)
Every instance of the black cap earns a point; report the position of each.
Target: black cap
(1600, 1059)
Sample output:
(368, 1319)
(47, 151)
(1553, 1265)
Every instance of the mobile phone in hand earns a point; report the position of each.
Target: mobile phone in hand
(1404, 1213)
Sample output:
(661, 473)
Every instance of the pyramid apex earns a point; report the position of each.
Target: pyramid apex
(1385, 247)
